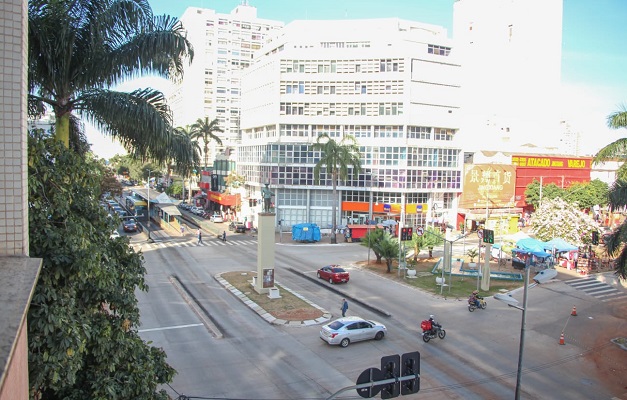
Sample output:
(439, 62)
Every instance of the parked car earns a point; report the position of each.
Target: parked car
(240, 228)
(333, 274)
(345, 330)
(217, 218)
(130, 225)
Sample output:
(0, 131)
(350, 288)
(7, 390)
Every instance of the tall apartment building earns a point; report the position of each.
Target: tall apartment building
(223, 46)
(392, 84)
(511, 68)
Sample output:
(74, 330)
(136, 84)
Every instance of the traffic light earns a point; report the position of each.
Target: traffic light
(488, 236)
(406, 233)
(391, 368)
(410, 365)
(595, 237)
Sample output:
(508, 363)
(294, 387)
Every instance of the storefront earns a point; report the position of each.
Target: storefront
(227, 204)
(561, 171)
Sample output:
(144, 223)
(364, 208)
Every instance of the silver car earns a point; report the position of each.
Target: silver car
(345, 330)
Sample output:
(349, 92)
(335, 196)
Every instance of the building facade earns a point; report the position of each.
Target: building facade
(511, 72)
(223, 46)
(390, 83)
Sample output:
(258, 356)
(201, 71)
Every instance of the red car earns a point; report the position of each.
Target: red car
(333, 274)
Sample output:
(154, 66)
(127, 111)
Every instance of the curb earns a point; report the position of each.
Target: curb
(267, 316)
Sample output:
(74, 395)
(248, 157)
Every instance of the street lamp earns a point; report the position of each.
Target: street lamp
(542, 277)
(148, 223)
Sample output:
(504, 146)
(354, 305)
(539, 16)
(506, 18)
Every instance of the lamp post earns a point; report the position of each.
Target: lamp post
(148, 208)
(541, 277)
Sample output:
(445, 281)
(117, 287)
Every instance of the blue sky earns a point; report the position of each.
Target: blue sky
(594, 60)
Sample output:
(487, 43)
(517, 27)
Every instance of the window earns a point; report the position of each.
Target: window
(418, 132)
(438, 50)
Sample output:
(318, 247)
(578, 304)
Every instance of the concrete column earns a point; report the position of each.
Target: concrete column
(265, 252)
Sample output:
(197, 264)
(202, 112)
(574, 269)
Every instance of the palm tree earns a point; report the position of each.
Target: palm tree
(183, 134)
(203, 129)
(616, 243)
(336, 158)
(78, 49)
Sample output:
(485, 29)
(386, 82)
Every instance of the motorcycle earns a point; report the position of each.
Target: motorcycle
(431, 330)
(472, 305)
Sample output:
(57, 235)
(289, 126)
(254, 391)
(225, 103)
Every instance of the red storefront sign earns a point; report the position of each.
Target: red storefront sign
(562, 171)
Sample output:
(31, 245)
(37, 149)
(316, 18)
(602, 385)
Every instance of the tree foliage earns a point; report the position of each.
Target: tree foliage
(83, 318)
(559, 218)
(388, 248)
(585, 194)
(78, 50)
(336, 159)
(206, 131)
(371, 240)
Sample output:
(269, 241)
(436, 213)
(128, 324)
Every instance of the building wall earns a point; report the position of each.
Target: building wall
(390, 83)
(223, 46)
(18, 272)
(511, 71)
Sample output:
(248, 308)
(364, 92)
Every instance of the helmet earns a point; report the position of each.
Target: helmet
(431, 316)
(475, 292)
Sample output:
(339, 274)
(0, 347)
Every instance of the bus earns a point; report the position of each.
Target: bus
(137, 206)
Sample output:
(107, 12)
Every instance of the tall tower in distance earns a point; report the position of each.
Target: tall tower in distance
(224, 45)
(511, 54)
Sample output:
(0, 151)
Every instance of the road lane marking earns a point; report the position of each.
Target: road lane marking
(165, 328)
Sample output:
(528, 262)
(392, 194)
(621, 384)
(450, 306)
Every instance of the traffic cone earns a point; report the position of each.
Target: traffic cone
(562, 339)
(574, 312)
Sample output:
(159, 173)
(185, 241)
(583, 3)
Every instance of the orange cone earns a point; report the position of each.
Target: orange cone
(574, 312)
(562, 339)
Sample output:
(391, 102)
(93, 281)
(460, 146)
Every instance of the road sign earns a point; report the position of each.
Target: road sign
(370, 375)
(391, 369)
(420, 231)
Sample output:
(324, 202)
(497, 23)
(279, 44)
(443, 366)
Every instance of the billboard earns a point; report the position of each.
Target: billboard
(488, 186)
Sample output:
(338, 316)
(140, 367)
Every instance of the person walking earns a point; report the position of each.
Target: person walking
(224, 236)
(182, 230)
(199, 236)
(344, 307)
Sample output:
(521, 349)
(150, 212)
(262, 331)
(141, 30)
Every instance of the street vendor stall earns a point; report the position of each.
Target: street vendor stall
(530, 252)
(566, 254)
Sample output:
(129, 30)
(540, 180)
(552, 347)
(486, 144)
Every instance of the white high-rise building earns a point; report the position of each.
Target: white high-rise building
(511, 60)
(393, 84)
(224, 45)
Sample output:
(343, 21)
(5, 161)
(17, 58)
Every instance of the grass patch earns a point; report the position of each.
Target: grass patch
(288, 307)
(459, 286)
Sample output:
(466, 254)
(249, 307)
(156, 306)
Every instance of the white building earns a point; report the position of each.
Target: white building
(511, 52)
(391, 83)
(223, 46)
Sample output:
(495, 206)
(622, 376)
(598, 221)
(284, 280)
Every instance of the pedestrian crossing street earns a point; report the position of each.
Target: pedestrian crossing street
(194, 243)
(598, 289)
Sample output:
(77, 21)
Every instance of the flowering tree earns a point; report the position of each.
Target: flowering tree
(557, 218)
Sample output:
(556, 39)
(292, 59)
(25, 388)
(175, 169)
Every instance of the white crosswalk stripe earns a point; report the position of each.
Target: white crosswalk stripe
(208, 243)
(598, 289)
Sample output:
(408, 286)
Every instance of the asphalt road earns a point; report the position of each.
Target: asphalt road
(256, 360)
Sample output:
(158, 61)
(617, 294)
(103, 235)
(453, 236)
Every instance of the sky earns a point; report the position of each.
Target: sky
(594, 60)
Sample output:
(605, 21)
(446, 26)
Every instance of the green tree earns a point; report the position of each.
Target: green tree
(432, 237)
(587, 194)
(533, 194)
(617, 150)
(417, 244)
(371, 240)
(387, 247)
(83, 319)
(337, 159)
(77, 50)
(205, 130)
(558, 218)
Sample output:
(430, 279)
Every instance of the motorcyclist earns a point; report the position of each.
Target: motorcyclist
(433, 324)
(474, 298)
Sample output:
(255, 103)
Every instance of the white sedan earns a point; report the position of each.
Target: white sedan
(217, 218)
(345, 330)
